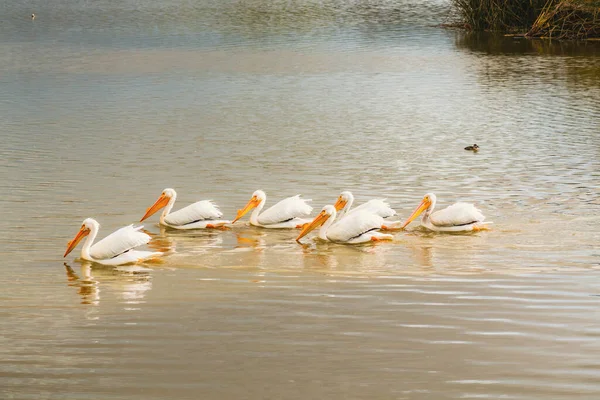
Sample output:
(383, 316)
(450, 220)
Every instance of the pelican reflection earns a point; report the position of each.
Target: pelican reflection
(130, 283)
(88, 288)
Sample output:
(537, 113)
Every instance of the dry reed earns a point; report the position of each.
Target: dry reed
(499, 15)
(568, 20)
(560, 19)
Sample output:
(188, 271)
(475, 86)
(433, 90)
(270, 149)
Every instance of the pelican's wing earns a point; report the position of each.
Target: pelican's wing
(199, 211)
(353, 225)
(376, 206)
(119, 242)
(286, 209)
(457, 214)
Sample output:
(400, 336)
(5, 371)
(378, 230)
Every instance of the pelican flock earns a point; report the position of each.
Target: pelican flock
(339, 223)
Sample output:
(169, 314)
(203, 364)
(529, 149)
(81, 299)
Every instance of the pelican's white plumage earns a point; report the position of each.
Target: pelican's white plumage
(353, 226)
(286, 209)
(201, 210)
(375, 206)
(459, 217)
(119, 242)
(456, 215)
(288, 213)
(199, 215)
(116, 248)
(357, 227)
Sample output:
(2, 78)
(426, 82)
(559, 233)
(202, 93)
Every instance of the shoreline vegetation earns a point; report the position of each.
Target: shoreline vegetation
(548, 19)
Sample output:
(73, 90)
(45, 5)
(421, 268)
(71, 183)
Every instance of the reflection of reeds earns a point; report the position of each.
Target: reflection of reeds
(568, 20)
(572, 62)
(495, 43)
(560, 19)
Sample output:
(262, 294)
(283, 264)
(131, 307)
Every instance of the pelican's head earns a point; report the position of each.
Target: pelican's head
(426, 204)
(319, 220)
(257, 197)
(86, 227)
(343, 199)
(162, 201)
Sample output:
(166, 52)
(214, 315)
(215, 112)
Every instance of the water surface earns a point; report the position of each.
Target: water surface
(106, 104)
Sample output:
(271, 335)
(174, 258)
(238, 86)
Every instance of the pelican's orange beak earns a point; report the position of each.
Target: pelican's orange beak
(160, 203)
(83, 232)
(420, 208)
(254, 201)
(340, 203)
(318, 221)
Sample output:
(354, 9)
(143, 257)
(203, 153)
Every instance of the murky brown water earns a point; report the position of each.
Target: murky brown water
(104, 105)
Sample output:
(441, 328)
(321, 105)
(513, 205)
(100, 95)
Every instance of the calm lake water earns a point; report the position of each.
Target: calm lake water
(105, 103)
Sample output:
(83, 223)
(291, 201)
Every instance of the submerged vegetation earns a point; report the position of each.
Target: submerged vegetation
(560, 19)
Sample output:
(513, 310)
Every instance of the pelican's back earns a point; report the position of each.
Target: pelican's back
(457, 214)
(119, 242)
(353, 225)
(286, 209)
(199, 211)
(376, 206)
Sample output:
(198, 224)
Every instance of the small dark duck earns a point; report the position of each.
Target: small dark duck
(472, 148)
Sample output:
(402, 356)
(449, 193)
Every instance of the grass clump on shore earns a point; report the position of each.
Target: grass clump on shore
(560, 19)
(499, 15)
(568, 20)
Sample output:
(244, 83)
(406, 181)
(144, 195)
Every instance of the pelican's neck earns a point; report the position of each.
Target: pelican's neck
(428, 212)
(347, 207)
(168, 209)
(326, 225)
(256, 212)
(87, 245)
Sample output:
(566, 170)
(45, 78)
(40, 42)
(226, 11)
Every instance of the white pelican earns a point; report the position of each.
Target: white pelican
(459, 217)
(287, 213)
(356, 227)
(199, 215)
(116, 248)
(374, 206)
